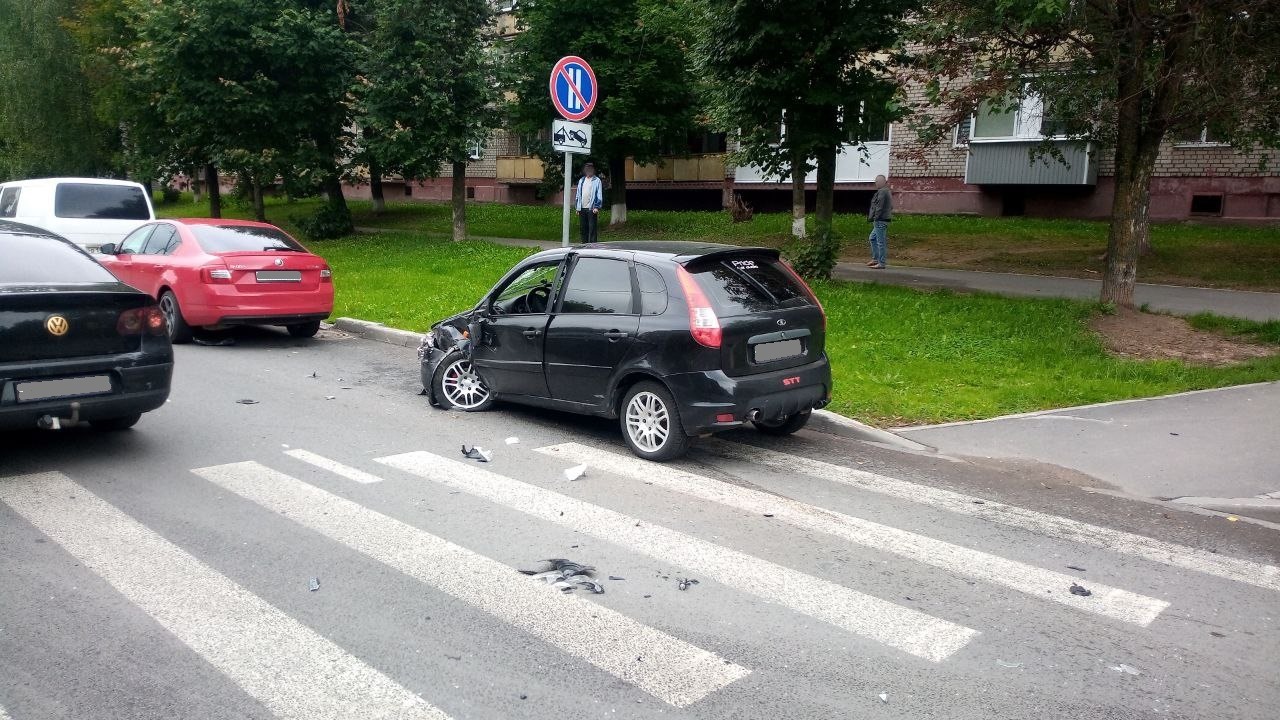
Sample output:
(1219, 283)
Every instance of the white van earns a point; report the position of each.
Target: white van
(87, 211)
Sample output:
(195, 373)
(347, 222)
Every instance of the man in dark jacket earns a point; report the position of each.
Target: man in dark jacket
(879, 216)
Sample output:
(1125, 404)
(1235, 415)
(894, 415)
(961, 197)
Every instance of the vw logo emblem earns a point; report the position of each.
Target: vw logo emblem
(782, 322)
(279, 262)
(57, 325)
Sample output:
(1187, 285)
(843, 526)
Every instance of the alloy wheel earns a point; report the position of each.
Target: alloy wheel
(462, 387)
(169, 308)
(648, 421)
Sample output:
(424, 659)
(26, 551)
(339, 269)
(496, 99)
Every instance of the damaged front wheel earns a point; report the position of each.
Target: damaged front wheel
(459, 387)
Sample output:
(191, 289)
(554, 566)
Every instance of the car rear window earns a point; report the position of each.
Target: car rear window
(92, 201)
(751, 284)
(243, 238)
(38, 260)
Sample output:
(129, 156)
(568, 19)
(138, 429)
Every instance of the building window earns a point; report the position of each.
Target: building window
(1029, 118)
(476, 152)
(1206, 205)
(960, 133)
(1201, 136)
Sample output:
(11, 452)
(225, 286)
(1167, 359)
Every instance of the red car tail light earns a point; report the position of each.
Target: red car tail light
(703, 323)
(215, 274)
(808, 290)
(137, 321)
(326, 275)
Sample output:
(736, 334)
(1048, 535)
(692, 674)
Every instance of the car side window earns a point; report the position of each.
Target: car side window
(136, 241)
(9, 202)
(527, 293)
(159, 241)
(653, 291)
(599, 285)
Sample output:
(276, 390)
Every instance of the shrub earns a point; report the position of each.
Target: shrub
(327, 222)
(815, 256)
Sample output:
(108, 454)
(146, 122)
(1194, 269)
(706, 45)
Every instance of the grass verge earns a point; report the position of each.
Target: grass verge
(900, 356)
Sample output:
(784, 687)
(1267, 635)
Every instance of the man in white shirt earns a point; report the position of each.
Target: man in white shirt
(589, 199)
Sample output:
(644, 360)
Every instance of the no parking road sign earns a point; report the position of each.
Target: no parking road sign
(573, 88)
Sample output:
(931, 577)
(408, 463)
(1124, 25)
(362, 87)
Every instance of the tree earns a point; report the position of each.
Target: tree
(48, 124)
(1121, 73)
(637, 49)
(429, 92)
(816, 66)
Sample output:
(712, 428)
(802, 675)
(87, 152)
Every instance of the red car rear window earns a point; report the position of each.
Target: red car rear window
(243, 238)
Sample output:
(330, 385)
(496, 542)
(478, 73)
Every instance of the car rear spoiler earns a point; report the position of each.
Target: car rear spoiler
(718, 255)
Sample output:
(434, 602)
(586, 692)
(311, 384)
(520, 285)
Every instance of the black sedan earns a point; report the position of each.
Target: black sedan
(75, 343)
(675, 340)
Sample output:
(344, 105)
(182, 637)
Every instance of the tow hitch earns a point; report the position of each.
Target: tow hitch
(53, 422)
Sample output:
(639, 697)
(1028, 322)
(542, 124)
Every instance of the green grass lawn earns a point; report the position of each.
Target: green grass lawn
(900, 356)
(1214, 255)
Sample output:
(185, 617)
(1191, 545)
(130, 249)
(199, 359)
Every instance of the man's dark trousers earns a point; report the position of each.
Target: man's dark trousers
(589, 221)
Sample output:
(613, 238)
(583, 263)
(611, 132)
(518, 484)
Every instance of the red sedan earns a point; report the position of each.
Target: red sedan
(213, 273)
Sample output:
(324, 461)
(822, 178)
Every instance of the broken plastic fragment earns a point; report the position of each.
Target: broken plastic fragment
(330, 397)
(477, 453)
(1002, 663)
(314, 584)
(513, 440)
(683, 584)
(247, 401)
(1074, 567)
(1126, 669)
(615, 577)
(1080, 590)
(884, 698)
(575, 472)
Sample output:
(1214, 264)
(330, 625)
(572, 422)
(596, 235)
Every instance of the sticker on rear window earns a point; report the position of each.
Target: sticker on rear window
(746, 264)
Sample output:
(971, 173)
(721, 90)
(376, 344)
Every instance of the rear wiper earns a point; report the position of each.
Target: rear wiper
(279, 249)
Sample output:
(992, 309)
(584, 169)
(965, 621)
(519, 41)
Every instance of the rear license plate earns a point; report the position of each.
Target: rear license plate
(768, 352)
(63, 388)
(282, 276)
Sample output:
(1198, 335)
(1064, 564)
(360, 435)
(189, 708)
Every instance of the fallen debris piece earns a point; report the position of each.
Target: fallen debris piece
(615, 577)
(1002, 663)
(1126, 669)
(683, 584)
(314, 584)
(1232, 518)
(1073, 567)
(575, 472)
(330, 397)
(1215, 633)
(884, 698)
(477, 453)
(768, 514)
(513, 440)
(247, 401)
(1080, 590)
(566, 575)
(314, 375)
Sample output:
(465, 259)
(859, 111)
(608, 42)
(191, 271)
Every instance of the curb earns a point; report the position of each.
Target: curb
(825, 421)
(378, 331)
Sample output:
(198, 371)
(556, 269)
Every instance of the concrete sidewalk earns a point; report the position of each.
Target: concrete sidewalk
(1176, 299)
(1210, 448)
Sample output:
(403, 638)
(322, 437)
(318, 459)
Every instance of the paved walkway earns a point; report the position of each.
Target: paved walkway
(1177, 299)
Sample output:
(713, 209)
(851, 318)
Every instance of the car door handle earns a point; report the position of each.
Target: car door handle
(531, 333)
(616, 335)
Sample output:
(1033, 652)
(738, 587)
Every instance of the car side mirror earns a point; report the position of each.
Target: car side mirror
(108, 249)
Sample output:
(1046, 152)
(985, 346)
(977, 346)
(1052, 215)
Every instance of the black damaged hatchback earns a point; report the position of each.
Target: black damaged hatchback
(676, 340)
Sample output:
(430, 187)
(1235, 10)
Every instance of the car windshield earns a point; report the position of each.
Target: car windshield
(94, 201)
(751, 284)
(38, 260)
(243, 238)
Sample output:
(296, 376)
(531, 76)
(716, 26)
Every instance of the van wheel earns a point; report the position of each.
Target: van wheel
(786, 426)
(651, 423)
(458, 387)
(179, 330)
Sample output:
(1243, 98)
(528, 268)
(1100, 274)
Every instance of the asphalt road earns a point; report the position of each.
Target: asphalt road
(167, 571)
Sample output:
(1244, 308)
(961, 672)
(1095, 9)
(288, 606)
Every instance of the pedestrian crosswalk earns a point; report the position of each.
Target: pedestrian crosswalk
(295, 671)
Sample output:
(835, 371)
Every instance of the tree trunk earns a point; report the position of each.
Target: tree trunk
(195, 186)
(1130, 223)
(824, 209)
(798, 167)
(375, 188)
(333, 191)
(618, 191)
(459, 201)
(259, 205)
(215, 190)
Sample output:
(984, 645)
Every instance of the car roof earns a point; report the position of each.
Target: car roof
(9, 227)
(222, 222)
(85, 181)
(678, 251)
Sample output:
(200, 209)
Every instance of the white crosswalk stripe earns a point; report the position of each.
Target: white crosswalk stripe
(908, 630)
(1039, 583)
(668, 668)
(1244, 571)
(4, 715)
(250, 641)
(333, 466)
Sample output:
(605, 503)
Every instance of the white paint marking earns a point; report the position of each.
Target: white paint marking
(334, 467)
(1245, 571)
(4, 715)
(291, 669)
(1036, 582)
(903, 628)
(668, 668)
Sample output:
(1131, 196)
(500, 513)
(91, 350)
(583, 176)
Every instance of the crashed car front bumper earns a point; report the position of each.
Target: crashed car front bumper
(436, 345)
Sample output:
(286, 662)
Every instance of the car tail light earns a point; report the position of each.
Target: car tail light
(215, 274)
(703, 323)
(148, 320)
(326, 275)
(807, 290)
(724, 418)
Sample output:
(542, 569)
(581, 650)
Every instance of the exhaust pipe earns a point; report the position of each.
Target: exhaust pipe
(53, 422)
(754, 415)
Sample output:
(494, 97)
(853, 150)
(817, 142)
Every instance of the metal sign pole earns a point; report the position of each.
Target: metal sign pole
(568, 178)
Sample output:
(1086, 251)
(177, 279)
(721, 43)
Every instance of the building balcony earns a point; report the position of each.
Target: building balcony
(519, 169)
(1009, 162)
(707, 167)
(854, 164)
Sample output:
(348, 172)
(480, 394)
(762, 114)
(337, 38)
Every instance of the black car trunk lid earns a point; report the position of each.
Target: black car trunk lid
(58, 322)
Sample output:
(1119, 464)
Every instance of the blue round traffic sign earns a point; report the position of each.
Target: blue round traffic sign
(573, 88)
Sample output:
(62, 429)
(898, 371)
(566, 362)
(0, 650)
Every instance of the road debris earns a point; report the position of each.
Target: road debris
(768, 514)
(314, 584)
(314, 375)
(246, 401)
(1002, 663)
(1232, 518)
(1126, 669)
(513, 440)
(566, 575)
(884, 698)
(1215, 633)
(575, 472)
(683, 584)
(615, 577)
(1080, 590)
(477, 453)
(1077, 569)
(330, 397)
